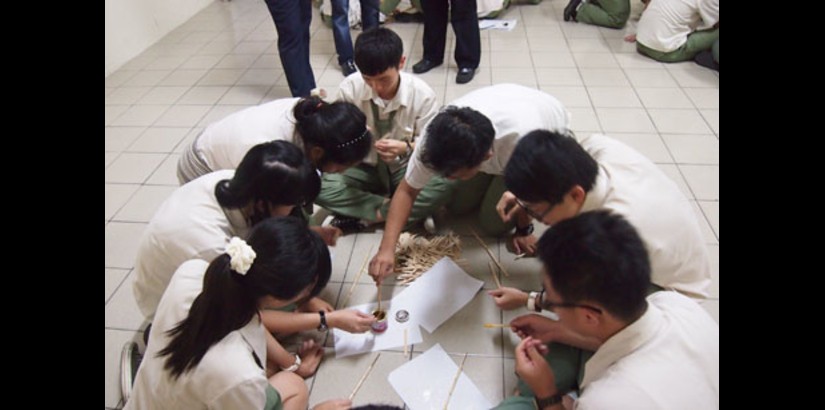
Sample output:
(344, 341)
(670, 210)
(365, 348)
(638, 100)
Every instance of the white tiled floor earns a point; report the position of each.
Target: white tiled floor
(225, 59)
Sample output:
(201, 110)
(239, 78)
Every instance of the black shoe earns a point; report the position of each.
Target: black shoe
(570, 10)
(465, 75)
(705, 59)
(424, 65)
(347, 224)
(348, 68)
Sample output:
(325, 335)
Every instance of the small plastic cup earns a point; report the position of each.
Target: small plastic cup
(380, 324)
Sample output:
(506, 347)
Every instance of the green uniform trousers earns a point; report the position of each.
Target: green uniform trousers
(605, 13)
(361, 190)
(481, 192)
(697, 41)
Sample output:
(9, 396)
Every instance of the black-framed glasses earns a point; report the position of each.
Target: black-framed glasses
(552, 305)
(533, 214)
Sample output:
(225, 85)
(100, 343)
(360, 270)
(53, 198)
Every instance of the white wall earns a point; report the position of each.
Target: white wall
(134, 25)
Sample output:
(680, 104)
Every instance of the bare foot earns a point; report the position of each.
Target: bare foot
(630, 38)
(334, 404)
(311, 354)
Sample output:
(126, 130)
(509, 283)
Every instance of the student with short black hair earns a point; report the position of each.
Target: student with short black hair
(552, 176)
(471, 141)
(208, 349)
(398, 105)
(334, 136)
(613, 343)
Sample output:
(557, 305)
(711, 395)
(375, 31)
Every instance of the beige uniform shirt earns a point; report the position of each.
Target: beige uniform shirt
(414, 105)
(223, 144)
(227, 376)
(665, 24)
(514, 111)
(667, 359)
(631, 185)
(189, 224)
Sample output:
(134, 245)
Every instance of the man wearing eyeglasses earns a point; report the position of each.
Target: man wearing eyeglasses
(470, 141)
(552, 177)
(658, 351)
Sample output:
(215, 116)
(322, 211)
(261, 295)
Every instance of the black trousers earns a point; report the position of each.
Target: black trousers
(464, 18)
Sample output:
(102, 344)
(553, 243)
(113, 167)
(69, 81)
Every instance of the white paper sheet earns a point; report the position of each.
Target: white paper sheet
(438, 294)
(348, 344)
(424, 383)
(507, 25)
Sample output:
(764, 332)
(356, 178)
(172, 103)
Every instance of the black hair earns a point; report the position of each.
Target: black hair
(377, 50)
(289, 258)
(339, 128)
(275, 172)
(546, 164)
(599, 257)
(457, 138)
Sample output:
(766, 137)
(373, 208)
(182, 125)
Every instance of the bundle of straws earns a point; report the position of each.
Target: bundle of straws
(416, 254)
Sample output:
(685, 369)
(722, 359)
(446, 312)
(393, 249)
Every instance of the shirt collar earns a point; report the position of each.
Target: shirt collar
(402, 97)
(623, 344)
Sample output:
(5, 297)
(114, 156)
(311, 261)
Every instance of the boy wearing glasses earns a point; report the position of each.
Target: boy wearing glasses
(553, 177)
(629, 349)
(471, 141)
(398, 106)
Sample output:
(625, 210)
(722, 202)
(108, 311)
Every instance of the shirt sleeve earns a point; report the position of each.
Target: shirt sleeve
(428, 110)
(418, 174)
(249, 394)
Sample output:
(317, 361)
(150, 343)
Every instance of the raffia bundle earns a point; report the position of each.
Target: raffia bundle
(415, 254)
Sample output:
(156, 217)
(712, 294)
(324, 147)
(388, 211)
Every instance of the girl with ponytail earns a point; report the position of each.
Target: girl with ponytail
(334, 136)
(209, 346)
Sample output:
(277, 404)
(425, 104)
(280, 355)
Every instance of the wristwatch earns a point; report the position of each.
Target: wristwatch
(525, 230)
(531, 302)
(294, 366)
(548, 401)
(323, 326)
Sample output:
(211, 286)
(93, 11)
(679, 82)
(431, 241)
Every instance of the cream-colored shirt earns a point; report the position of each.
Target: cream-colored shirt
(414, 105)
(227, 376)
(665, 24)
(189, 224)
(667, 359)
(514, 111)
(631, 185)
(223, 144)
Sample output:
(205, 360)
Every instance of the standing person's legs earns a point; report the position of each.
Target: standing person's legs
(340, 30)
(488, 217)
(292, 19)
(435, 29)
(464, 18)
(607, 13)
(369, 14)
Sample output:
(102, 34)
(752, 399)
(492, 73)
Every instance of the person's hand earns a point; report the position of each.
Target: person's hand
(382, 265)
(329, 234)
(630, 38)
(533, 369)
(538, 327)
(388, 149)
(316, 304)
(334, 404)
(508, 298)
(350, 320)
(507, 207)
(523, 244)
(311, 354)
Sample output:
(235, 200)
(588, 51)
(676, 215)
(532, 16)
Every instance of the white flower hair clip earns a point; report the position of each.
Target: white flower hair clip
(241, 255)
